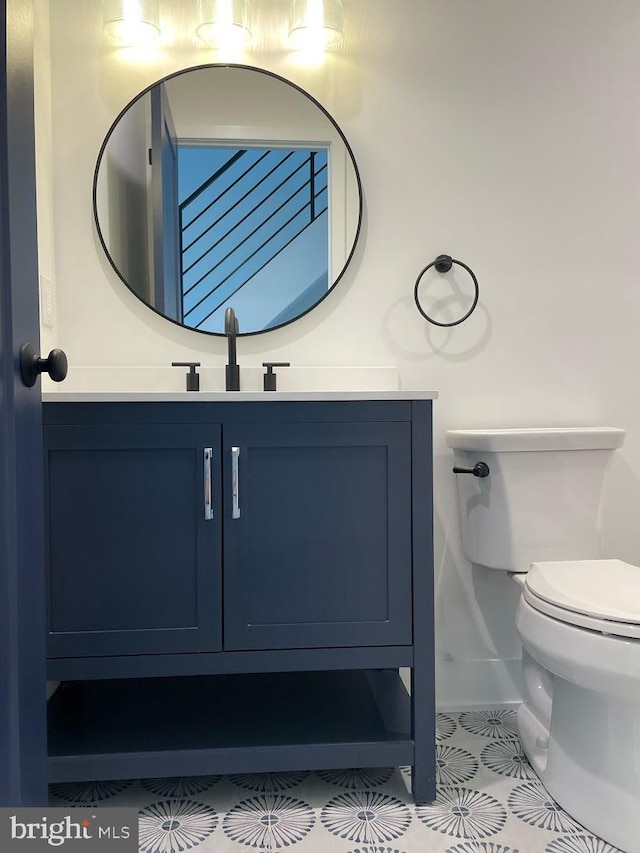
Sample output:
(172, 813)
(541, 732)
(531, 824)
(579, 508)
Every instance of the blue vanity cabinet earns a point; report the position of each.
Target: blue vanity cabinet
(317, 535)
(134, 567)
(268, 637)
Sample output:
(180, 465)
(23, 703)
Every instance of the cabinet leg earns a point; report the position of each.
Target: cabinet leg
(423, 731)
(423, 788)
(423, 712)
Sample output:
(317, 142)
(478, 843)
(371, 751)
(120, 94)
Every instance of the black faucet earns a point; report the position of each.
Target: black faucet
(232, 370)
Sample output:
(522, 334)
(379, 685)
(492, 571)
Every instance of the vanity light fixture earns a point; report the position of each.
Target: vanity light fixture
(315, 24)
(131, 23)
(224, 23)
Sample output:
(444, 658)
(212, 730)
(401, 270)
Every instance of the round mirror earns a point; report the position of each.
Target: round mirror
(227, 186)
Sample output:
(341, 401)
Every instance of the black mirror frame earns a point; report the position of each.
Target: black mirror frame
(282, 80)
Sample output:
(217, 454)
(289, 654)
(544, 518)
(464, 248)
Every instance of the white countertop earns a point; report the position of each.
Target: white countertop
(166, 384)
(232, 396)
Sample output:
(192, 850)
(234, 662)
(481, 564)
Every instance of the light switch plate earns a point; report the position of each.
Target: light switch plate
(47, 302)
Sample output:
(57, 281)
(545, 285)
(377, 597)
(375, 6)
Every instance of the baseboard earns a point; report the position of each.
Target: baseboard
(478, 684)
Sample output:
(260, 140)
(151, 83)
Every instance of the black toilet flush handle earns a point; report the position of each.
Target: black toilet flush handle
(480, 469)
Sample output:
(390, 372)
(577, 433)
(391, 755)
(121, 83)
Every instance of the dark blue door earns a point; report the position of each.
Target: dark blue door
(317, 547)
(133, 539)
(23, 779)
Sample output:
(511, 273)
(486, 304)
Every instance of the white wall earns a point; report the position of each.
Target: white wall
(503, 132)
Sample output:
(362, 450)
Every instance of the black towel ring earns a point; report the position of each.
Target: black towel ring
(443, 263)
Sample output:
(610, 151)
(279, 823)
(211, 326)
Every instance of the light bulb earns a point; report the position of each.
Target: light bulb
(224, 23)
(315, 24)
(131, 22)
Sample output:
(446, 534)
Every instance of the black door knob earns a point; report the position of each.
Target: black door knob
(31, 365)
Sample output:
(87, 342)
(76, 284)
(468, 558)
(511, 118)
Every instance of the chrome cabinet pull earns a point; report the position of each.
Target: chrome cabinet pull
(235, 498)
(208, 486)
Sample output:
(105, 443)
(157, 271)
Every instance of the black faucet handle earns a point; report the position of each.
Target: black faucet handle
(269, 379)
(193, 377)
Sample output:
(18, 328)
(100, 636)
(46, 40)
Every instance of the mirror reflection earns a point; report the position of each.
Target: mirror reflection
(227, 186)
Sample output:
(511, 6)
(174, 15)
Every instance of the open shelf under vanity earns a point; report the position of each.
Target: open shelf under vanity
(126, 728)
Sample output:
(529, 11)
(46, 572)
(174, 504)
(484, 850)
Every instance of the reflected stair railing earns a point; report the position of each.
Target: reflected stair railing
(239, 220)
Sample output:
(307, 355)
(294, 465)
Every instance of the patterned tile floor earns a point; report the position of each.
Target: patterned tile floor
(489, 801)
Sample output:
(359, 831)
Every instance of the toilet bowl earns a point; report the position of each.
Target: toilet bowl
(578, 616)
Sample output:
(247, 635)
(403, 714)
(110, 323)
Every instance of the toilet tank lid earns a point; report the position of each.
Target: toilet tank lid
(542, 438)
(607, 589)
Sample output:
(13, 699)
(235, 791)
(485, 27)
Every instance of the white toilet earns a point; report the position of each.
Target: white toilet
(536, 513)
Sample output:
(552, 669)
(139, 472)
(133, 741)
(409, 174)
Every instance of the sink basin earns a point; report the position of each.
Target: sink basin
(167, 379)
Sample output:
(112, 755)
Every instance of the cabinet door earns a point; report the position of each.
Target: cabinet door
(319, 553)
(133, 564)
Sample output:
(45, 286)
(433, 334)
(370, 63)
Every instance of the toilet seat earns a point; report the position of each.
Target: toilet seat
(601, 595)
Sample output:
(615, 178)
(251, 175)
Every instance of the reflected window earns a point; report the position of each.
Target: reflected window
(253, 229)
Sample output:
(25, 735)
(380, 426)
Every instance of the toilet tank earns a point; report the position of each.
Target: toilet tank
(541, 499)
